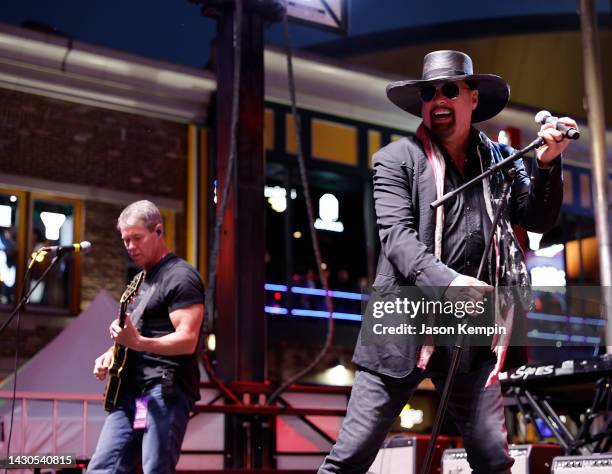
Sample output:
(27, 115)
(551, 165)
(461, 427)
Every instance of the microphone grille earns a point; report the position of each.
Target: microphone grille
(85, 246)
(541, 116)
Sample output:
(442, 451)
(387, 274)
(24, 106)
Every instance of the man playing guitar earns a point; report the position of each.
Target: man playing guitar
(158, 382)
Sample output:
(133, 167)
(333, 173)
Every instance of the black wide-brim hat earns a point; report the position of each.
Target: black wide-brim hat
(446, 65)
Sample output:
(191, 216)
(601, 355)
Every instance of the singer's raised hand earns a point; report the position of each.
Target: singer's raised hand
(556, 142)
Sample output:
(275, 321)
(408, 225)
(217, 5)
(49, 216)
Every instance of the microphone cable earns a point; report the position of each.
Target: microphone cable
(313, 233)
(14, 396)
(209, 301)
(16, 362)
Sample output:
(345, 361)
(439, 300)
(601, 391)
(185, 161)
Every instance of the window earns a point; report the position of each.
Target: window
(337, 204)
(52, 223)
(10, 204)
(293, 285)
(28, 222)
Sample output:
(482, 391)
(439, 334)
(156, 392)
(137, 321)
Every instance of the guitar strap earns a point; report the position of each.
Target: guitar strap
(136, 315)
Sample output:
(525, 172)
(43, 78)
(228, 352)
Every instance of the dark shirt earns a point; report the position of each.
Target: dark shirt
(176, 285)
(466, 226)
(466, 221)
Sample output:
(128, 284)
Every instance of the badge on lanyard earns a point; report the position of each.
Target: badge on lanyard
(140, 416)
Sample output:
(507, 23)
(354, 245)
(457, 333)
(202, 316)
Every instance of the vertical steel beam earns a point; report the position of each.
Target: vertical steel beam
(597, 128)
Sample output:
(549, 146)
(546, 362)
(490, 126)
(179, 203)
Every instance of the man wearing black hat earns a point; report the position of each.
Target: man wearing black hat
(439, 249)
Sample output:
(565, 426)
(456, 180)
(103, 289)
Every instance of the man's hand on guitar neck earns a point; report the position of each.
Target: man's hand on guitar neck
(102, 364)
(128, 336)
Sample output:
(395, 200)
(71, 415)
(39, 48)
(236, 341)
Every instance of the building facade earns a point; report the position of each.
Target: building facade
(86, 130)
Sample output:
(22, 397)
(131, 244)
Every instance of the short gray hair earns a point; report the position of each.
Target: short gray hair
(140, 212)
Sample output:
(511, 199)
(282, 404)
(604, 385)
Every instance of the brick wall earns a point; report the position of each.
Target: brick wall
(106, 266)
(74, 143)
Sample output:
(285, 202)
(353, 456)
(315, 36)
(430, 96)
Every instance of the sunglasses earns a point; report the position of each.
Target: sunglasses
(450, 90)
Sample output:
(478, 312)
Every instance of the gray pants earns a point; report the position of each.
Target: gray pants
(377, 400)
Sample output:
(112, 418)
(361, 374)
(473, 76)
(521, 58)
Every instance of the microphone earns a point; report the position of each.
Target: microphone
(544, 116)
(82, 247)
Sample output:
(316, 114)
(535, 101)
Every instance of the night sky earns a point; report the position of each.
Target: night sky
(174, 30)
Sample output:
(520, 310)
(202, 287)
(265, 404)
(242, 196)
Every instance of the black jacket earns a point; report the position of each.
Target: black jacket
(404, 187)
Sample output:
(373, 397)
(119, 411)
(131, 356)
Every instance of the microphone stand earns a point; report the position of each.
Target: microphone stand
(538, 142)
(509, 175)
(26, 297)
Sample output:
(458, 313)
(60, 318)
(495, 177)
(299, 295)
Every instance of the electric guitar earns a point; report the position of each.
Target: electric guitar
(115, 371)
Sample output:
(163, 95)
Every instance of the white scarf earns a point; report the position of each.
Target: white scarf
(438, 165)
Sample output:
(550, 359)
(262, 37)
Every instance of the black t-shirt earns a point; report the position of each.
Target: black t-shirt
(174, 285)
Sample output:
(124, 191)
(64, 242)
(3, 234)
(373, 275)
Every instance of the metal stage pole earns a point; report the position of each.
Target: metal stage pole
(597, 127)
(239, 293)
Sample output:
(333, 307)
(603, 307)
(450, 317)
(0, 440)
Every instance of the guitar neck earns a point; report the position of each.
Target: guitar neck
(122, 314)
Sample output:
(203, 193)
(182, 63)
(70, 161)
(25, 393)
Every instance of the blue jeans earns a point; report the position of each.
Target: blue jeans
(377, 400)
(120, 447)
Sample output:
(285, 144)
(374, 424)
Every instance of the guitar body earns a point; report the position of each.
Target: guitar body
(113, 387)
(118, 363)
